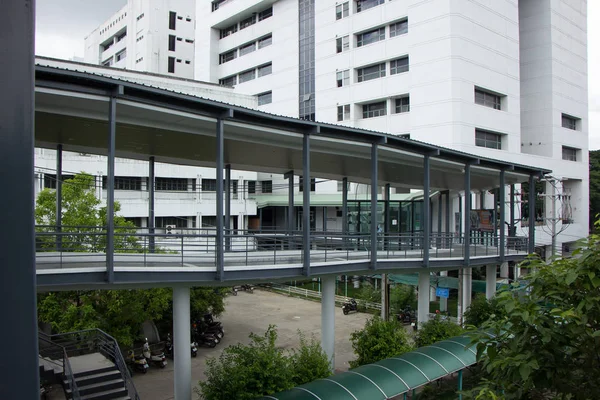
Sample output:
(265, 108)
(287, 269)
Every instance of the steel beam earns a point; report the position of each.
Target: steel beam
(19, 371)
(345, 206)
(439, 221)
(306, 203)
(501, 196)
(374, 192)
(512, 211)
(467, 216)
(220, 156)
(59, 181)
(531, 214)
(426, 210)
(110, 190)
(227, 207)
(151, 218)
(290, 209)
(386, 215)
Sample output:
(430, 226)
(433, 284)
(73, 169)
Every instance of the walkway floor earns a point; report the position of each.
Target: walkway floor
(89, 362)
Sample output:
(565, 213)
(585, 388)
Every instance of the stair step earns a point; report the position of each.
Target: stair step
(91, 379)
(95, 371)
(107, 394)
(99, 387)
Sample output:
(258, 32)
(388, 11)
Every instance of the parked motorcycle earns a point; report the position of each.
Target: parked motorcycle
(205, 339)
(350, 306)
(407, 316)
(138, 363)
(248, 288)
(169, 348)
(234, 290)
(194, 349)
(156, 358)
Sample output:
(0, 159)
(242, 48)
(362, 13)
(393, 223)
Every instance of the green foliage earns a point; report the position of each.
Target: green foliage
(548, 343)
(368, 292)
(402, 296)
(378, 340)
(436, 330)
(482, 309)
(261, 368)
(594, 186)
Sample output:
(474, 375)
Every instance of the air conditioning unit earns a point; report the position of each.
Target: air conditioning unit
(170, 229)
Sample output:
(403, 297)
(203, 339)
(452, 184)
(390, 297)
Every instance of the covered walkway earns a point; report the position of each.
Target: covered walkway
(391, 377)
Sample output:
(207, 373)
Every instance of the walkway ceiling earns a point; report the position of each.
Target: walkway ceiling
(72, 109)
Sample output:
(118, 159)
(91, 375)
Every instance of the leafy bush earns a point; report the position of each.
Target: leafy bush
(482, 309)
(435, 330)
(403, 296)
(368, 292)
(260, 368)
(378, 340)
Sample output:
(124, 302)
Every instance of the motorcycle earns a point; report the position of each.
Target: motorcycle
(234, 290)
(406, 316)
(194, 349)
(205, 339)
(137, 362)
(248, 288)
(157, 358)
(169, 348)
(350, 306)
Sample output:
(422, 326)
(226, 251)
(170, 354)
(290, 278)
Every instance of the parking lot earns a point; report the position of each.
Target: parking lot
(254, 312)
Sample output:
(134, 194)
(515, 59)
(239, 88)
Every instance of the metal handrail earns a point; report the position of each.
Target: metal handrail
(67, 371)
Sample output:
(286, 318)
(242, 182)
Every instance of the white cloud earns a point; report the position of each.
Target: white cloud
(58, 46)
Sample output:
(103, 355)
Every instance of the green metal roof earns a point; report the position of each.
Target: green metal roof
(390, 377)
(327, 200)
(435, 281)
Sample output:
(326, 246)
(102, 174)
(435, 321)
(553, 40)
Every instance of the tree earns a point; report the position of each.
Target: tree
(436, 330)
(482, 309)
(548, 343)
(261, 368)
(594, 186)
(403, 296)
(378, 340)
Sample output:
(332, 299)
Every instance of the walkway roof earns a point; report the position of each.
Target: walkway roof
(390, 377)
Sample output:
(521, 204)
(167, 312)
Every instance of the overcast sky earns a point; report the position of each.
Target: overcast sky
(62, 25)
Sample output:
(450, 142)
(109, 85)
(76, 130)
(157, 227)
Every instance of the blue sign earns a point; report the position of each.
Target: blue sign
(442, 292)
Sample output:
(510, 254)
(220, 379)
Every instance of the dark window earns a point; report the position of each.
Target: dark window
(343, 112)
(209, 221)
(569, 153)
(124, 182)
(266, 186)
(402, 104)
(398, 66)
(171, 67)
(209, 185)
(491, 140)
(362, 5)
(251, 187)
(369, 37)
(136, 221)
(399, 28)
(247, 48)
(265, 14)
(265, 70)
(266, 41)
(228, 56)
(343, 78)
(121, 36)
(247, 76)
(50, 180)
(229, 30)
(569, 122)
(251, 20)
(172, 20)
(178, 222)
(342, 44)
(121, 55)
(229, 81)
(342, 10)
(374, 109)
(313, 184)
(172, 184)
(189, 40)
(171, 42)
(265, 98)
(488, 99)
(372, 72)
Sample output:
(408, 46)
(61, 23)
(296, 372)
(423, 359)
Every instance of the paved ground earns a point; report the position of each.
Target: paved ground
(247, 313)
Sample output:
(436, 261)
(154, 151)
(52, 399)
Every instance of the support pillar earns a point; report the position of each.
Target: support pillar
(504, 270)
(345, 210)
(467, 288)
(374, 192)
(423, 299)
(467, 215)
(290, 208)
(110, 190)
(443, 300)
(490, 281)
(438, 240)
(220, 158)
(151, 198)
(20, 379)
(385, 298)
(426, 213)
(306, 204)
(386, 218)
(531, 243)
(328, 318)
(501, 195)
(227, 223)
(59, 182)
(511, 225)
(325, 219)
(448, 232)
(182, 359)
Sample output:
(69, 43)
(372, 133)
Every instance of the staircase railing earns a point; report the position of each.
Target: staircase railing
(95, 340)
(53, 352)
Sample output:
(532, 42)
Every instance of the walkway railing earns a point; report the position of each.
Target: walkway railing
(197, 247)
(57, 354)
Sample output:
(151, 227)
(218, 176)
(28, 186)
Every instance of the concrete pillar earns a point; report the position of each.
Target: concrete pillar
(110, 189)
(504, 270)
(328, 318)
(306, 205)
(151, 198)
(59, 182)
(517, 271)
(385, 301)
(467, 287)
(423, 300)
(182, 359)
(374, 183)
(443, 300)
(490, 281)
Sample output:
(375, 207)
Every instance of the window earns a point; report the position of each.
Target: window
(121, 36)
(265, 14)
(402, 105)
(340, 186)
(247, 76)
(228, 31)
(369, 37)
(229, 81)
(172, 184)
(569, 122)
(343, 78)
(125, 183)
(399, 28)
(121, 55)
(188, 19)
(313, 184)
(251, 20)
(189, 40)
(362, 5)
(107, 45)
(179, 17)
(140, 38)
(171, 66)
(343, 112)
(248, 48)
(342, 44)
(398, 66)
(265, 70)
(266, 186)
(372, 72)
(179, 222)
(140, 16)
(264, 42)
(179, 39)
(487, 99)
(342, 10)
(374, 109)
(188, 62)
(139, 60)
(569, 153)
(107, 63)
(171, 42)
(172, 20)
(209, 185)
(50, 180)
(265, 98)
(491, 140)
(179, 60)
(228, 56)
(251, 187)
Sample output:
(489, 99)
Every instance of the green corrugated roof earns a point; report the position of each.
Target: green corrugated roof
(390, 377)
(326, 200)
(435, 281)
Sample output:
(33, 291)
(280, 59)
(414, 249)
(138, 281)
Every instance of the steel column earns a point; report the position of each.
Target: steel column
(110, 190)
(467, 215)
(386, 216)
(501, 196)
(290, 208)
(460, 216)
(511, 231)
(306, 203)
(426, 211)
(59, 179)
(448, 241)
(151, 197)
(220, 158)
(328, 318)
(324, 219)
(345, 206)
(182, 359)
(439, 221)
(374, 192)
(19, 370)
(227, 207)
(531, 214)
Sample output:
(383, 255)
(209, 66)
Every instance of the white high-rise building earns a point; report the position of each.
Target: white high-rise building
(504, 79)
(147, 35)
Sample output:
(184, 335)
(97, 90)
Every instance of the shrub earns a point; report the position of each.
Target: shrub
(482, 309)
(378, 340)
(435, 330)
